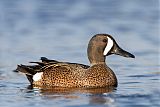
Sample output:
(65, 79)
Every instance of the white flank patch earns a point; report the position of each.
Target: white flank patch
(108, 46)
(37, 76)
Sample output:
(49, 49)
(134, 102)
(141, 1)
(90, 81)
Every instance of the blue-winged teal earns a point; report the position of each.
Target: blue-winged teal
(64, 74)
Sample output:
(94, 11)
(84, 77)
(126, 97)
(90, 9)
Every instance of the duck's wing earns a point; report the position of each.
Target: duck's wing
(45, 65)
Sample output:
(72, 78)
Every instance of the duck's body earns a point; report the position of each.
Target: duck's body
(64, 74)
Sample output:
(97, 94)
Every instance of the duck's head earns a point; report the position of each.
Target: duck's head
(102, 45)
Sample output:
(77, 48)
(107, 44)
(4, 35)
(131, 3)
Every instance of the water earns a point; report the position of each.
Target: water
(61, 30)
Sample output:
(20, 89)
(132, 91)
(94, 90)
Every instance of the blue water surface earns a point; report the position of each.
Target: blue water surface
(61, 29)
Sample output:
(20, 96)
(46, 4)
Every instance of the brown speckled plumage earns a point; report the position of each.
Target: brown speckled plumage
(65, 74)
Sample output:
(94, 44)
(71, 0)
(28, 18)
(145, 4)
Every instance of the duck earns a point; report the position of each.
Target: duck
(53, 73)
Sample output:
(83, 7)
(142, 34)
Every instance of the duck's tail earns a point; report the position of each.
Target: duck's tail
(30, 71)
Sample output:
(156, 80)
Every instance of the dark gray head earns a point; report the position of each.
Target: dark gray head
(102, 45)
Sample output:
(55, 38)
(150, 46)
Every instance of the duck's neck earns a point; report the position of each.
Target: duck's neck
(95, 55)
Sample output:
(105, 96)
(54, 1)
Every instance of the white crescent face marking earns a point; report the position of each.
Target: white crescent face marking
(37, 76)
(108, 46)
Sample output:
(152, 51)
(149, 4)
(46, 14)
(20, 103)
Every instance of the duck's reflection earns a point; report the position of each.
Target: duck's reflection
(93, 96)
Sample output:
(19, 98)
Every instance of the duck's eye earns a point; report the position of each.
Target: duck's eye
(105, 40)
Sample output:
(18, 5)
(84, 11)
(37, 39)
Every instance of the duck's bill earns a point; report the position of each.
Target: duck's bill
(124, 53)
